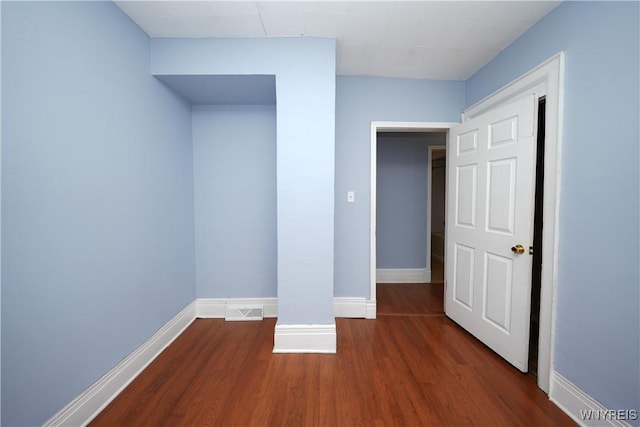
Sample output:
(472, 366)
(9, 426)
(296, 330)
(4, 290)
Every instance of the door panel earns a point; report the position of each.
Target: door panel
(501, 185)
(491, 184)
(463, 285)
(466, 196)
(497, 284)
(467, 143)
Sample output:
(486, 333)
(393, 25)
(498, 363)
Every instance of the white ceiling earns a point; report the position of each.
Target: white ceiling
(441, 40)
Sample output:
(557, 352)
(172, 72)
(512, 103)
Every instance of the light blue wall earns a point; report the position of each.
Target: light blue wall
(305, 90)
(234, 152)
(402, 185)
(598, 325)
(0, 214)
(97, 201)
(360, 100)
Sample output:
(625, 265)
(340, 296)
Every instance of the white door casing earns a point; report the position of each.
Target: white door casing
(491, 176)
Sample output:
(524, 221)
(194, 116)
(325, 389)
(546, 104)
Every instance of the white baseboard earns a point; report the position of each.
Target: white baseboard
(350, 307)
(215, 308)
(94, 399)
(403, 275)
(372, 309)
(580, 406)
(305, 338)
(354, 307)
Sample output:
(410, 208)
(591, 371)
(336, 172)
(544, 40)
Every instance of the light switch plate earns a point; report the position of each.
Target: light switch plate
(351, 196)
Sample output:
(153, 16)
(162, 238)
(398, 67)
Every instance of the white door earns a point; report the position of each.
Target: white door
(491, 179)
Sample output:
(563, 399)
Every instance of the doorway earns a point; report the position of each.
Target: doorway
(410, 222)
(436, 204)
(376, 127)
(410, 208)
(536, 273)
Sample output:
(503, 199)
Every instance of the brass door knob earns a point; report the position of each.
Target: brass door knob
(519, 249)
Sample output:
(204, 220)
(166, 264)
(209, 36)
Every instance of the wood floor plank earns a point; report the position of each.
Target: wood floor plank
(407, 369)
(410, 298)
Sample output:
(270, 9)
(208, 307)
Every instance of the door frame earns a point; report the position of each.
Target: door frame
(382, 126)
(430, 150)
(549, 73)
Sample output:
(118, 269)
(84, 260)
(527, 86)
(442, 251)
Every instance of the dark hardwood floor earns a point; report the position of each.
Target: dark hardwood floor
(406, 368)
(413, 299)
(416, 299)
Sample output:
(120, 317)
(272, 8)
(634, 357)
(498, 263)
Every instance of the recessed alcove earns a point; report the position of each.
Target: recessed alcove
(234, 182)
